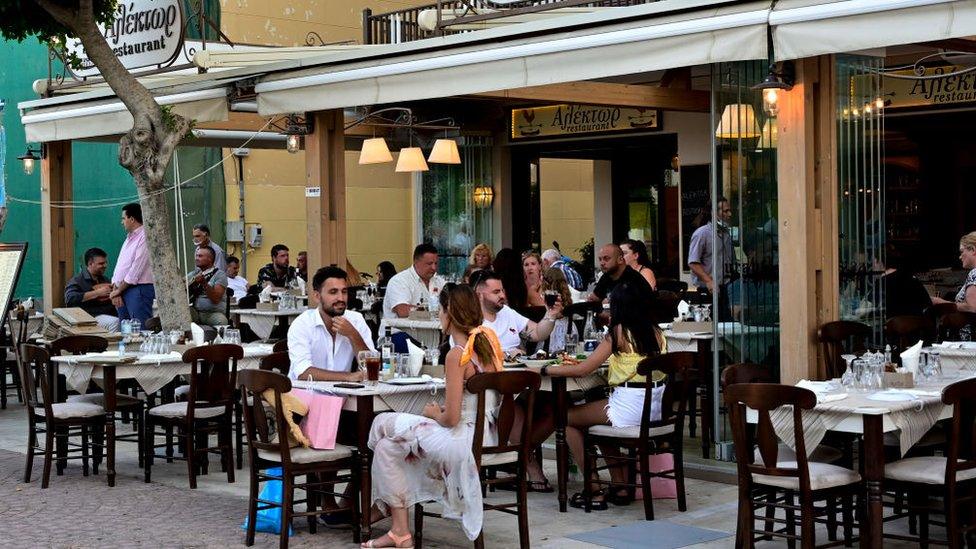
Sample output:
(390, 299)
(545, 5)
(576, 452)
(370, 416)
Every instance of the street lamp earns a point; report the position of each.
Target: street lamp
(29, 159)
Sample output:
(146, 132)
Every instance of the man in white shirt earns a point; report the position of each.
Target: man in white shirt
(419, 282)
(235, 282)
(507, 323)
(323, 342)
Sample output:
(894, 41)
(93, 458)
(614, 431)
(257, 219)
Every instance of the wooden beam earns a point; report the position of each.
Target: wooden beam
(57, 224)
(325, 169)
(252, 122)
(602, 93)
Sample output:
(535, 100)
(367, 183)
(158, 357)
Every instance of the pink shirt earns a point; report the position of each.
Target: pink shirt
(132, 266)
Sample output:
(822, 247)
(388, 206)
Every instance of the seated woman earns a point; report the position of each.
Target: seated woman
(633, 336)
(480, 257)
(532, 272)
(635, 255)
(428, 458)
(553, 280)
(966, 297)
(384, 272)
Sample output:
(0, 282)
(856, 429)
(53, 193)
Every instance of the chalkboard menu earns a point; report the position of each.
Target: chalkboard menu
(11, 261)
(696, 203)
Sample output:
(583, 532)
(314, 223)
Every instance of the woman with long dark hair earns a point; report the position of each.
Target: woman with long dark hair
(384, 272)
(508, 267)
(428, 457)
(636, 257)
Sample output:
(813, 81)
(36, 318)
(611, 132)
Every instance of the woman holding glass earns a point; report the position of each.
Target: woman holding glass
(428, 457)
(532, 272)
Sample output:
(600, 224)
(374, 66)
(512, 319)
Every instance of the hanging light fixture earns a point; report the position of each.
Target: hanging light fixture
(445, 151)
(411, 159)
(29, 159)
(293, 143)
(483, 196)
(779, 79)
(375, 151)
(738, 122)
(295, 126)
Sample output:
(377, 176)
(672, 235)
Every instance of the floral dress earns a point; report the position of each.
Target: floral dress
(417, 460)
(961, 298)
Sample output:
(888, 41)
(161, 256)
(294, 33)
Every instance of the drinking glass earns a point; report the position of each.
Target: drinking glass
(361, 361)
(572, 341)
(372, 367)
(848, 377)
(233, 336)
(402, 365)
(550, 297)
(432, 356)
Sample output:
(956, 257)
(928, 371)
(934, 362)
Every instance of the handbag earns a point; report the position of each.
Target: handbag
(269, 520)
(322, 422)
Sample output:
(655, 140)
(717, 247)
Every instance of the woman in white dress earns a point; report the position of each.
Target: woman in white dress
(428, 458)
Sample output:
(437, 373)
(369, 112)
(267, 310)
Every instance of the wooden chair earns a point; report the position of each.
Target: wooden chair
(208, 409)
(935, 313)
(949, 477)
(952, 325)
(838, 338)
(280, 345)
(901, 332)
(276, 362)
(266, 450)
(61, 420)
(653, 437)
(766, 479)
(508, 385)
(17, 337)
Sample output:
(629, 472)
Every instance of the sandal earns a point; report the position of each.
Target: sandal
(579, 501)
(397, 540)
(541, 486)
(617, 498)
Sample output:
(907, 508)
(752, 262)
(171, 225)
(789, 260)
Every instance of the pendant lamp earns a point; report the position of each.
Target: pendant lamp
(375, 151)
(411, 160)
(445, 151)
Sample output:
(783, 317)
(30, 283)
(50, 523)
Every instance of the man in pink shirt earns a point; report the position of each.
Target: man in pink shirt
(132, 282)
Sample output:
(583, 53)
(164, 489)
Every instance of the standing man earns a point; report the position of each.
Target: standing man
(508, 324)
(278, 273)
(234, 281)
(206, 286)
(415, 283)
(615, 270)
(323, 342)
(552, 258)
(133, 292)
(301, 265)
(702, 259)
(201, 238)
(90, 290)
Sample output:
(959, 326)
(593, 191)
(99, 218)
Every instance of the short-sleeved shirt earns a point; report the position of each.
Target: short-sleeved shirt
(573, 278)
(700, 251)
(970, 281)
(269, 274)
(508, 324)
(310, 344)
(606, 284)
(407, 287)
(202, 302)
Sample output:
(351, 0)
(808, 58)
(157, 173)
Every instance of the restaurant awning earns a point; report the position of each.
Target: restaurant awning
(649, 37)
(804, 28)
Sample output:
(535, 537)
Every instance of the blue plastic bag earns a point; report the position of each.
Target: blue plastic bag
(269, 520)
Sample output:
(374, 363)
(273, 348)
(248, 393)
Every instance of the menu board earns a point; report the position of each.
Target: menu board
(11, 261)
(696, 200)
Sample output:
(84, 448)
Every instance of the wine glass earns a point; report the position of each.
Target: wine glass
(361, 361)
(848, 378)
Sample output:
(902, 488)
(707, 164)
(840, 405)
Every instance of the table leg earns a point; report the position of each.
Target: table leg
(562, 449)
(108, 373)
(871, 526)
(364, 420)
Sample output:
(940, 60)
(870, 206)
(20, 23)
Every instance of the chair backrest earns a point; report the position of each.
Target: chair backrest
(676, 367)
(213, 375)
(764, 398)
(746, 372)
(935, 313)
(507, 385)
(278, 361)
(838, 338)
(904, 331)
(280, 345)
(961, 450)
(78, 345)
(951, 325)
(19, 331)
(679, 287)
(36, 377)
(253, 383)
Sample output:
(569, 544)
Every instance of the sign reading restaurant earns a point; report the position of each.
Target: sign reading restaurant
(145, 33)
(571, 119)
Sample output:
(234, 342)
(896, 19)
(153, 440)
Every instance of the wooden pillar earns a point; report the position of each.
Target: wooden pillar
(325, 209)
(57, 224)
(808, 225)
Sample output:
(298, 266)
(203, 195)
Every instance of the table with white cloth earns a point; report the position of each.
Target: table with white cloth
(151, 372)
(425, 331)
(367, 401)
(263, 322)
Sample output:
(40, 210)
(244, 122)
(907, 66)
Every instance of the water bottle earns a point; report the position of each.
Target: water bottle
(590, 334)
(386, 353)
(122, 346)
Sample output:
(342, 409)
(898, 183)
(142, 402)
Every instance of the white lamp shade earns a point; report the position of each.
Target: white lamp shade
(445, 151)
(770, 135)
(411, 159)
(738, 122)
(375, 151)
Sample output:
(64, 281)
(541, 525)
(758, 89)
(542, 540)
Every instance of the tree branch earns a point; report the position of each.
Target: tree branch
(60, 14)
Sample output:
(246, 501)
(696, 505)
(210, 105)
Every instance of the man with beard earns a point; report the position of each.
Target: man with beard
(89, 290)
(507, 323)
(323, 342)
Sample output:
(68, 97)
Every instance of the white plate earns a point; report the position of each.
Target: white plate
(889, 396)
(409, 380)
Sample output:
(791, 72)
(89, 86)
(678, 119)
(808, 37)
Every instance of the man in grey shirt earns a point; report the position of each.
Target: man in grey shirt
(702, 257)
(206, 286)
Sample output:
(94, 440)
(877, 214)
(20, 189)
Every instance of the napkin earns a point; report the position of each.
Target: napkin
(416, 361)
(683, 308)
(821, 388)
(197, 331)
(909, 358)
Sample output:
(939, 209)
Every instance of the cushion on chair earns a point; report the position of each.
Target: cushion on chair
(822, 475)
(66, 410)
(821, 454)
(924, 470)
(309, 455)
(180, 392)
(178, 409)
(121, 401)
(628, 432)
(491, 460)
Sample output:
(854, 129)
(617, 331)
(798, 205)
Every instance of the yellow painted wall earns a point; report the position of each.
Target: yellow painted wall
(566, 202)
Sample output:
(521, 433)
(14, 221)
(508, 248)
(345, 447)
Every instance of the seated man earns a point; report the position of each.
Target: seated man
(419, 282)
(235, 282)
(89, 289)
(615, 271)
(278, 273)
(206, 286)
(323, 342)
(507, 323)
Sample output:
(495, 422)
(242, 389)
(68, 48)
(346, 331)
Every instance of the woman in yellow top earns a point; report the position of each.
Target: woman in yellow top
(633, 336)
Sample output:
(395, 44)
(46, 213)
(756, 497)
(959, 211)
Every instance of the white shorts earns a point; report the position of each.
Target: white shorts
(626, 405)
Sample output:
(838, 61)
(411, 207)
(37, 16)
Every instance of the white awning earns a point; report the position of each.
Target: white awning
(804, 28)
(659, 40)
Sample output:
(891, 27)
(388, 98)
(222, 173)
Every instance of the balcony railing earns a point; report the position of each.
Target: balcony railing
(455, 16)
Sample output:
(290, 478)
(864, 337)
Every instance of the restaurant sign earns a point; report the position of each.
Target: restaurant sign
(145, 33)
(923, 86)
(567, 119)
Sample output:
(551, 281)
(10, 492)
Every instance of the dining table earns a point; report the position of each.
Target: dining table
(263, 322)
(151, 371)
(424, 330)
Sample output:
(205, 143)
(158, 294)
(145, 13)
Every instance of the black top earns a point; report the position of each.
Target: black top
(606, 284)
(904, 294)
(268, 273)
(74, 295)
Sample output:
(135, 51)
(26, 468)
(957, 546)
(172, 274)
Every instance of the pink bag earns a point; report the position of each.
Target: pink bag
(661, 488)
(322, 422)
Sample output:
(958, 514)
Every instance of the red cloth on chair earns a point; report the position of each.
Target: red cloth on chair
(322, 422)
(661, 488)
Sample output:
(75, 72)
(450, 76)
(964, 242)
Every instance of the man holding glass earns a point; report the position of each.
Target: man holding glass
(323, 342)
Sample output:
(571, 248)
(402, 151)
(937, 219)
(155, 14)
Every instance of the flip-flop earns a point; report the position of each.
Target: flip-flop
(579, 502)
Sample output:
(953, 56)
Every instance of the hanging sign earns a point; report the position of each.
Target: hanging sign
(562, 120)
(145, 33)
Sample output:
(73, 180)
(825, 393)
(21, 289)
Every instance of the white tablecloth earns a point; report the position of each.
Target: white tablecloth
(387, 397)
(427, 332)
(262, 322)
(734, 337)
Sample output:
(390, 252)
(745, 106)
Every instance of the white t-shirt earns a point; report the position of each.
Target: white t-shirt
(407, 287)
(508, 324)
(239, 285)
(311, 344)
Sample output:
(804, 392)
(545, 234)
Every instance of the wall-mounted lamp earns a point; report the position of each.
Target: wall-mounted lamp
(30, 160)
(781, 77)
(483, 196)
(295, 126)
